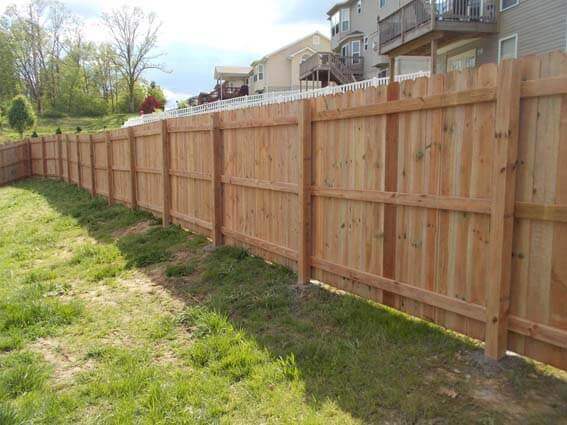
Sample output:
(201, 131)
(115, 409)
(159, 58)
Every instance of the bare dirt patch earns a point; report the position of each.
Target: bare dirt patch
(66, 365)
(136, 229)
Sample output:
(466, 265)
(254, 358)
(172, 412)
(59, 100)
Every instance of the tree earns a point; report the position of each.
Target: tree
(35, 33)
(8, 75)
(134, 40)
(156, 91)
(150, 105)
(21, 115)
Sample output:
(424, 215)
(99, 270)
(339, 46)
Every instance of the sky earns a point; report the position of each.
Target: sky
(197, 35)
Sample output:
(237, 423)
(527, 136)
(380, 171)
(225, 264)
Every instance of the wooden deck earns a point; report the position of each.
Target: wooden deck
(413, 26)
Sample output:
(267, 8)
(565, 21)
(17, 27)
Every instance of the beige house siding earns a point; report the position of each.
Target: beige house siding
(281, 68)
(541, 27)
(367, 23)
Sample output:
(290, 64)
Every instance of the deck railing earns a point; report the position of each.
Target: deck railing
(346, 66)
(268, 99)
(424, 12)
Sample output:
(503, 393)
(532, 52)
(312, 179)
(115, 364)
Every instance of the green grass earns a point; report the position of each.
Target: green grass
(47, 126)
(103, 324)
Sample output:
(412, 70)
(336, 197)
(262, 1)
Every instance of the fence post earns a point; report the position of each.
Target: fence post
(30, 158)
(43, 157)
(304, 121)
(68, 158)
(110, 174)
(78, 143)
(92, 163)
(505, 155)
(216, 183)
(390, 185)
(133, 182)
(59, 157)
(165, 177)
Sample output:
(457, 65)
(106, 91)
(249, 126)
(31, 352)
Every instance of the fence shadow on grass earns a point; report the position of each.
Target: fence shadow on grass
(369, 361)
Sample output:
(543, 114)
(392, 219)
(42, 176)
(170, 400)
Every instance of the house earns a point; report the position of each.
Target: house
(354, 51)
(232, 76)
(458, 34)
(279, 70)
(232, 81)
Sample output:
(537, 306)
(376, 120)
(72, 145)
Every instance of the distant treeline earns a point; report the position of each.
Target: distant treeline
(44, 56)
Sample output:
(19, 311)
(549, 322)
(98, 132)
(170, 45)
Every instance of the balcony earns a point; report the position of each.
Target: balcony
(222, 91)
(409, 30)
(326, 67)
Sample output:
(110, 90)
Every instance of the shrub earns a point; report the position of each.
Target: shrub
(78, 130)
(34, 134)
(20, 115)
(53, 114)
(150, 104)
(58, 131)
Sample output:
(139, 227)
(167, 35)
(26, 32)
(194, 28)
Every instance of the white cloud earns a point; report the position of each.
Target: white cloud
(172, 97)
(253, 26)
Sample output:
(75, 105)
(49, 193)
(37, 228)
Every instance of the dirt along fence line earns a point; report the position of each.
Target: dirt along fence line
(443, 197)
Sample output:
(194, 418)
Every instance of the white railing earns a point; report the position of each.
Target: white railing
(267, 99)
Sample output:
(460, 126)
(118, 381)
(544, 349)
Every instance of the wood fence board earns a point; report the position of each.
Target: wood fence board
(121, 168)
(100, 158)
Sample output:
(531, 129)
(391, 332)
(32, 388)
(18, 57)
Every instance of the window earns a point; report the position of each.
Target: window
(345, 20)
(344, 50)
(316, 40)
(335, 22)
(382, 3)
(261, 72)
(355, 48)
(507, 4)
(359, 7)
(508, 48)
(365, 43)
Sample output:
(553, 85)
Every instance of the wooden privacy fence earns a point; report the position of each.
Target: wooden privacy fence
(445, 197)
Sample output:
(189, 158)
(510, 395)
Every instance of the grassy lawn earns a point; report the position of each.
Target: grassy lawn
(47, 126)
(105, 317)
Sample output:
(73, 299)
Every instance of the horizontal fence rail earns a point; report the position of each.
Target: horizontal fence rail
(442, 197)
(270, 98)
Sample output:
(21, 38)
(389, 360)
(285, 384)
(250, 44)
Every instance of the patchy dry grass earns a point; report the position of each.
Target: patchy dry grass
(105, 317)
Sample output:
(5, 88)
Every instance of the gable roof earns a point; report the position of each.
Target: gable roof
(290, 45)
(338, 6)
(302, 50)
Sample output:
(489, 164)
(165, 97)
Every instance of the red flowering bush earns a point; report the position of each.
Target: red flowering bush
(150, 104)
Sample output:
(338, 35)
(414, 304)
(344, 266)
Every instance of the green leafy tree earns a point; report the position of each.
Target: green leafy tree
(8, 73)
(20, 115)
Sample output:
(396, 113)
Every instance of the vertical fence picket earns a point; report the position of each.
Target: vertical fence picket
(78, 149)
(110, 174)
(165, 177)
(29, 157)
(305, 131)
(59, 158)
(505, 154)
(43, 157)
(390, 185)
(92, 165)
(68, 158)
(133, 179)
(216, 183)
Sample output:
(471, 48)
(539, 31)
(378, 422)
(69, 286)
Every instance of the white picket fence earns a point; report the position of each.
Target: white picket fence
(267, 99)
